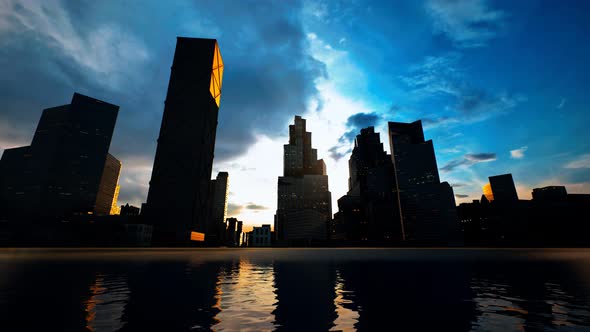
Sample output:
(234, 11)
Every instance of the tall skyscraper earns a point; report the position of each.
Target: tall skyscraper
(426, 206)
(178, 197)
(304, 200)
(219, 194)
(369, 211)
(503, 188)
(60, 173)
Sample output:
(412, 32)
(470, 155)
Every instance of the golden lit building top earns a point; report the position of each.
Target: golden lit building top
(487, 191)
(216, 75)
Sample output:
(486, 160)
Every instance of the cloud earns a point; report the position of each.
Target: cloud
(468, 23)
(518, 153)
(461, 196)
(358, 121)
(337, 152)
(582, 161)
(561, 103)
(354, 124)
(234, 209)
(441, 76)
(113, 52)
(106, 52)
(253, 206)
(468, 160)
(458, 185)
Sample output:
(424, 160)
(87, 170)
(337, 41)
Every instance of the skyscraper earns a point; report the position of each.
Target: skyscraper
(503, 188)
(178, 197)
(60, 173)
(426, 206)
(304, 200)
(369, 211)
(219, 193)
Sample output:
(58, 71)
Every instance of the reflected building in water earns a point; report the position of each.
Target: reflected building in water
(179, 193)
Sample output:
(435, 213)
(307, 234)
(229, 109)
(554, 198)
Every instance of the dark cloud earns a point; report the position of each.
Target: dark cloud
(458, 185)
(468, 160)
(461, 196)
(233, 209)
(253, 206)
(336, 155)
(354, 124)
(479, 157)
(114, 52)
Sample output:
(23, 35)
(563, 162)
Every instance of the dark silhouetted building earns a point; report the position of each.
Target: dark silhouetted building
(304, 200)
(426, 206)
(219, 194)
(67, 169)
(503, 188)
(369, 210)
(551, 193)
(230, 232)
(259, 237)
(178, 197)
(129, 210)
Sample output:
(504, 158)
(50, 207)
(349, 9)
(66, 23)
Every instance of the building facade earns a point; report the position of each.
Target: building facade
(61, 172)
(215, 233)
(426, 206)
(259, 237)
(108, 189)
(369, 211)
(178, 197)
(304, 201)
(503, 188)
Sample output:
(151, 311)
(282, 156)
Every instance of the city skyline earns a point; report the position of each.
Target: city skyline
(485, 116)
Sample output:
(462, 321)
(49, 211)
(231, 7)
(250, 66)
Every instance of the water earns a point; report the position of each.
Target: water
(295, 290)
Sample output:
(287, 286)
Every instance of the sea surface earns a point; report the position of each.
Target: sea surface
(295, 289)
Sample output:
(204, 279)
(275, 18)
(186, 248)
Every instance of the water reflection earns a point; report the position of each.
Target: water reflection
(295, 290)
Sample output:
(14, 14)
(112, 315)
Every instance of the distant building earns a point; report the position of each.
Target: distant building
(426, 206)
(67, 169)
(231, 232)
(304, 200)
(260, 237)
(368, 212)
(219, 194)
(178, 197)
(129, 210)
(551, 193)
(239, 233)
(503, 188)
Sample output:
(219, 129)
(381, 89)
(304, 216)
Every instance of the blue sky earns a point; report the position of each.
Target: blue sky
(499, 85)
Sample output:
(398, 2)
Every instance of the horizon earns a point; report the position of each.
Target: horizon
(470, 81)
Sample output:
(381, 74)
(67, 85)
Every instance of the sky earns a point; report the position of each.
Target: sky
(500, 86)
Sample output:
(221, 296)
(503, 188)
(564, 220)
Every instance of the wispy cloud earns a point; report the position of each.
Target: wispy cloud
(442, 76)
(253, 206)
(468, 160)
(582, 161)
(468, 23)
(518, 153)
(107, 53)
